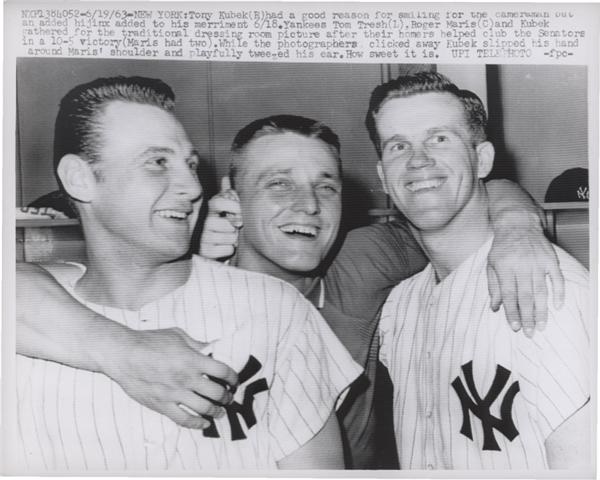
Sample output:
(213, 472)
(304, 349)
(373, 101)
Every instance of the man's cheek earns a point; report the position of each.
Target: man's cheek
(334, 215)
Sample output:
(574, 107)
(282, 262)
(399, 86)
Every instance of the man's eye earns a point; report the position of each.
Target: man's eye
(278, 184)
(157, 162)
(397, 147)
(437, 139)
(329, 188)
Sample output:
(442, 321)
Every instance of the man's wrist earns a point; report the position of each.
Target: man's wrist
(112, 346)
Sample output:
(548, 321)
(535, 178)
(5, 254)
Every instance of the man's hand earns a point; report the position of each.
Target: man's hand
(224, 219)
(166, 371)
(519, 261)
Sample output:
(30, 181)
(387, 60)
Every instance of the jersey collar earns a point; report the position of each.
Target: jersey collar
(316, 293)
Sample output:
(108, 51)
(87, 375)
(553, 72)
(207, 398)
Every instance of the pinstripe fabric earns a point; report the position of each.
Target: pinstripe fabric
(76, 421)
(430, 330)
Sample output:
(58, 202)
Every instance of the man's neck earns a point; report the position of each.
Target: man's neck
(129, 281)
(447, 248)
(301, 281)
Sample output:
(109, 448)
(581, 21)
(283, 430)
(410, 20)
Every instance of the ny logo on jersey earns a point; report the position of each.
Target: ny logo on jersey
(244, 410)
(481, 407)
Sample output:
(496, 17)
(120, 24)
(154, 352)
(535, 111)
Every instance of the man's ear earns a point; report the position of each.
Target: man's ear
(485, 159)
(381, 176)
(77, 177)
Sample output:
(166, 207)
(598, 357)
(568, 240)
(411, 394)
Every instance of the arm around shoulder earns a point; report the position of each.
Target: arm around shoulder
(52, 325)
(372, 260)
(160, 369)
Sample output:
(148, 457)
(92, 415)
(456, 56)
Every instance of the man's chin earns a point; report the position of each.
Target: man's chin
(176, 252)
(301, 264)
(430, 224)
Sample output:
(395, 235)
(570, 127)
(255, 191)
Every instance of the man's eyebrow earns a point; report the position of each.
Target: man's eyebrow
(157, 150)
(273, 171)
(332, 176)
(441, 128)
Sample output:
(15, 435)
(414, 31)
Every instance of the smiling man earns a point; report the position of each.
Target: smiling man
(128, 166)
(287, 172)
(468, 393)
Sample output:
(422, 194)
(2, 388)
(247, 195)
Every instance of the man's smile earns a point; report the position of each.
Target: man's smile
(300, 230)
(425, 185)
(173, 214)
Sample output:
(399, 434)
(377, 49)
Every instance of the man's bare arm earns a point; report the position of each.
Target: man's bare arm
(520, 258)
(161, 369)
(323, 451)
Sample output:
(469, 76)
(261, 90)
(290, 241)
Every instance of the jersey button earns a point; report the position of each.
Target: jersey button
(428, 414)
(429, 466)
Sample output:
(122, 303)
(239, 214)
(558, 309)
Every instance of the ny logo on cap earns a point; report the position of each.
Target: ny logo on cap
(481, 407)
(583, 193)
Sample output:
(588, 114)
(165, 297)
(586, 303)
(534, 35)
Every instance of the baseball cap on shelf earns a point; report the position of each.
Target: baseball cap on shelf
(570, 186)
(56, 200)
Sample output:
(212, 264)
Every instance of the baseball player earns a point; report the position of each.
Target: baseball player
(468, 393)
(130, 169)
(287, 233)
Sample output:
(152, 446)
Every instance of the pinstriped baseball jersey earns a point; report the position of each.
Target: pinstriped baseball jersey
(291, 367)
(469, 393)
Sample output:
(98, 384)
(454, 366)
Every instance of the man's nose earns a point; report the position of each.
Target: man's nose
(187, 184)
(420, 158)
(307, 201)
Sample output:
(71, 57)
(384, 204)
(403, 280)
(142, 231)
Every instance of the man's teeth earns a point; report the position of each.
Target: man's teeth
(172, 214)
(423, 184)
(307, 230)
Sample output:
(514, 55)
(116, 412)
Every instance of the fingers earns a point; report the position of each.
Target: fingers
(216, 251)
(540, 300)
(219, 238)
(222, 238)
(494, 289)
(213, 391)
(526, 306)
(201, 362)
(503, 295)
(200, 406)
(184, 417)
(211, 367)
(558, 284)
(225, 183)
(226, 204)
(226, 208)
(511, 309)
(216, 369)
(219, 204)
(217, 225)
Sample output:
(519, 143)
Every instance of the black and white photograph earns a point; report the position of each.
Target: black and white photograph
(253, 266)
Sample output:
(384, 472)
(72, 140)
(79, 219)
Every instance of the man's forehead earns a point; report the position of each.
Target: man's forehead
(284, 140)
(143, 124)
(289, 151)
(420, 109)
(324, 172)
(121, 112)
